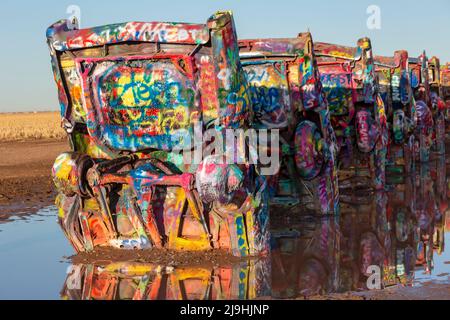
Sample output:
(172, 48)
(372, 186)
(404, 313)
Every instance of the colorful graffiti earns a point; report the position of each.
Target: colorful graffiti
(445, 89)
(357, 111)
(394, 82)
(286, 94)
(123, 185)
(426, 115)
(437, 104)
(63, 39)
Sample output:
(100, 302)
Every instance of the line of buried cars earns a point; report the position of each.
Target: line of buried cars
(133, 95)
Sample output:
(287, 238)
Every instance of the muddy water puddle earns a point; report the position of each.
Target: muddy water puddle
(380, 240)
(31, 251)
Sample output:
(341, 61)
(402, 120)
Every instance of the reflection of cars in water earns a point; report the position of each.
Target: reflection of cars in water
(357, 110)
(131, 97)
(426, 210)
(305, 259)
(144, 281)
(417, 208)
(431, 214)
(381, 239)
(366, 240)
(401, 258)
(396, 92)
(438, 173)
(286, 94)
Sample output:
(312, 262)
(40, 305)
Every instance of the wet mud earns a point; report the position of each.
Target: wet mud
(161, 257)
(25, 176)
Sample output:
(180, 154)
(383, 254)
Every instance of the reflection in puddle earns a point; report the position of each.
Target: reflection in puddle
(379, 240)
(16, 212)
(305, 259)
(143, 281)
(31, 254)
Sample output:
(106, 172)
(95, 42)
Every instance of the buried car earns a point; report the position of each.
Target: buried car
(357, 110)
(396, 92)
(437, 104)
(286, 95)
(418, 68)
(445, 86)
(131, 96)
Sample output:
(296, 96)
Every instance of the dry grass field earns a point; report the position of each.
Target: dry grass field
(30, 126)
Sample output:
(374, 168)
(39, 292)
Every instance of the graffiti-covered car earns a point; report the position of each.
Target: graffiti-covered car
(357, 111)
(131, 97)
(286, 95)
(396, 92)
(445, 87)
(437, 104)
(418, 68)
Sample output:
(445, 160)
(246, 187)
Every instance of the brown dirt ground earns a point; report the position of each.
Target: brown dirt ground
(426, 291)
(25, 175)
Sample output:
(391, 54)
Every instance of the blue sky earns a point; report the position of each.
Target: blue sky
(26, 82)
